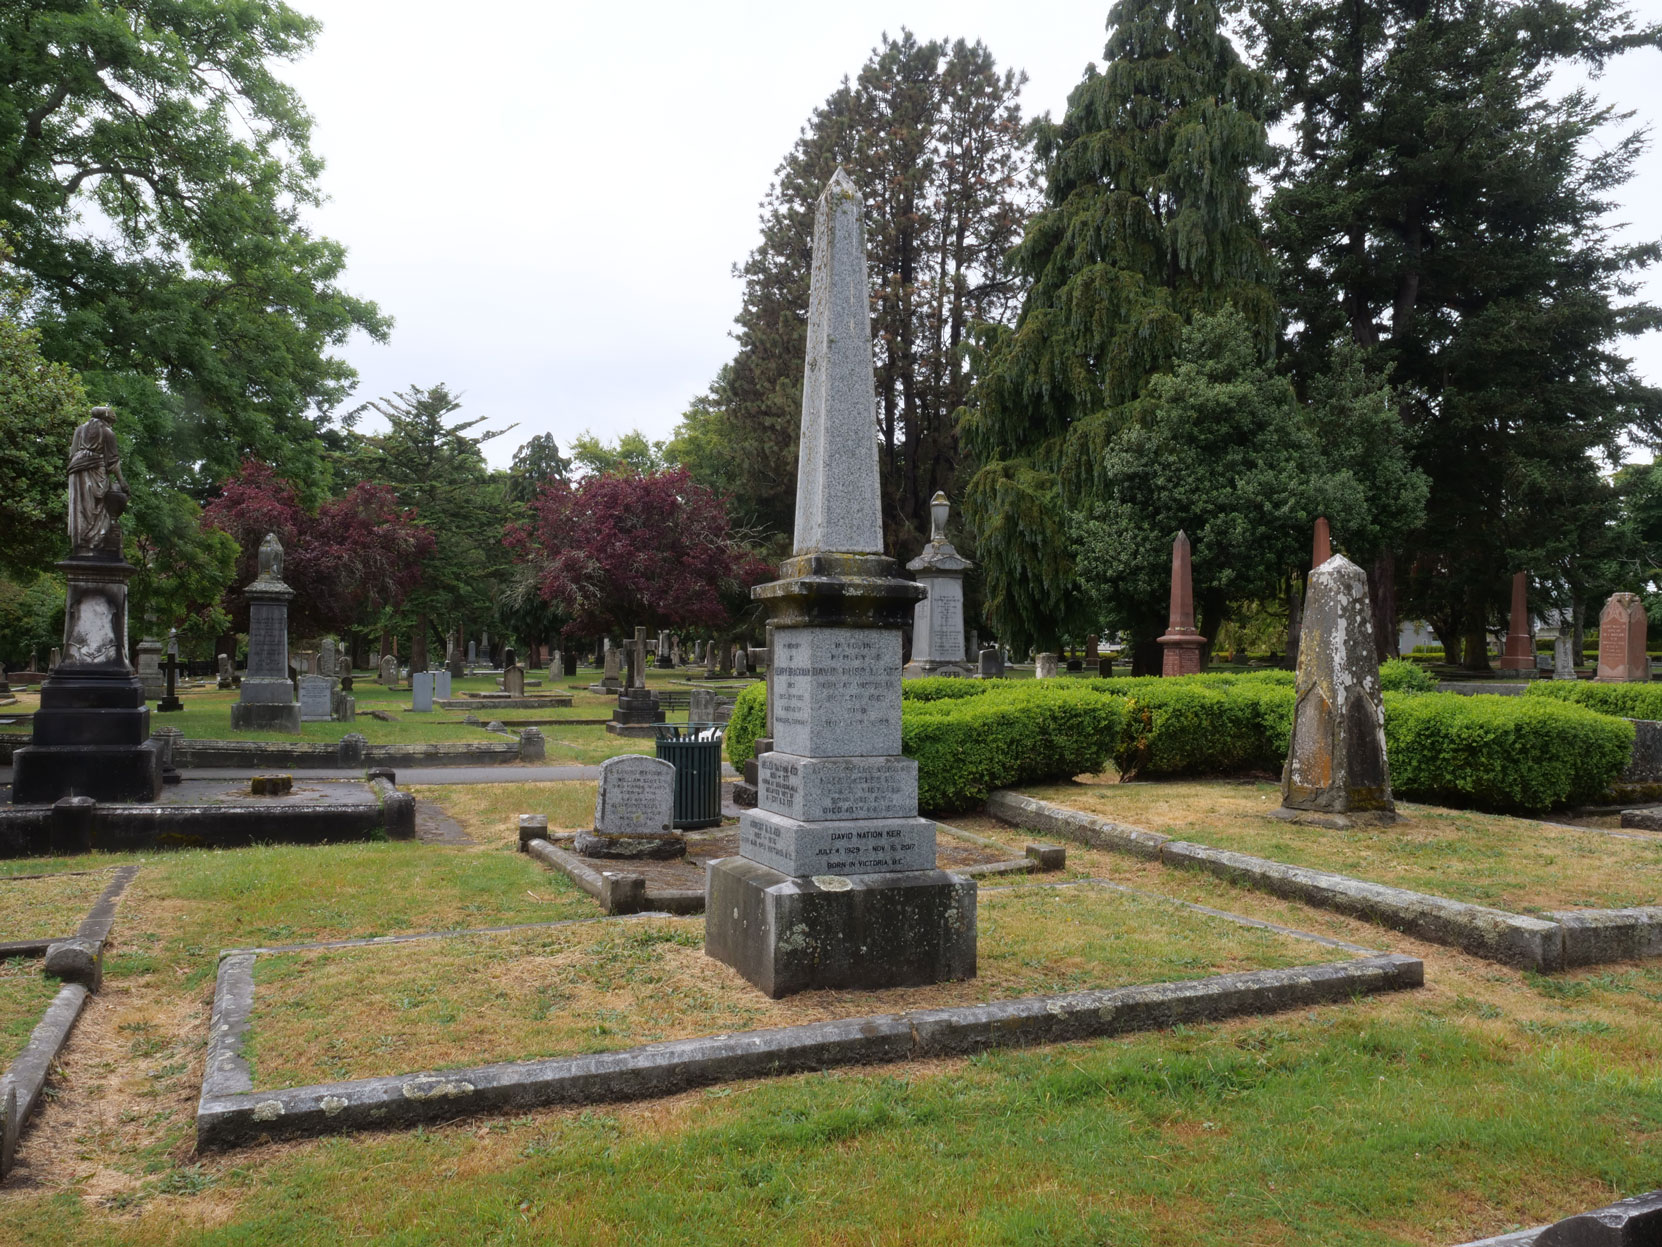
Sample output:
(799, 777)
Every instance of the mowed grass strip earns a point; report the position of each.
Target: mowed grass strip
(24, 994)
(489, 813)
(1516, 864)
(32, 909)
(327, 1015)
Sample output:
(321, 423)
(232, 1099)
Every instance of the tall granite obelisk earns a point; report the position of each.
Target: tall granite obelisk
(836, 884)
(91, 736)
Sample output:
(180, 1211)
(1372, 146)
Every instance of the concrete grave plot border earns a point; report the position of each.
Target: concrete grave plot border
(354, 754)
(79, 825)
(232, 1112)
(622, 891)
(79, 961)
(1563, 939)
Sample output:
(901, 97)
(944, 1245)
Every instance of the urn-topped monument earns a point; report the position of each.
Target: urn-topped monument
(836, 884)
(90, 737)
(267, 702)
(938, 620)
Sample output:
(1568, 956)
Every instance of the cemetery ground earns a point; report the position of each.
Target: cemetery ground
(1486, 1100)
(574, 735)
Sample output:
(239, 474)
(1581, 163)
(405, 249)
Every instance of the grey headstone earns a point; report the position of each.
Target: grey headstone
(836, 692)
(636, 797)
(1044, 667)
(421, 689)
(387, 671)
(1336, 767)
(1564, 656)
(316, 694)
(441, 685)
(513, 680)
(992, 663)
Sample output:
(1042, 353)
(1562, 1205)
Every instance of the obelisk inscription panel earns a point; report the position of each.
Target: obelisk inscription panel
(848, 677)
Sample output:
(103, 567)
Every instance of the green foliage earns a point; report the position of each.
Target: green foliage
(31, 618)
(1182, 727)
(1502, 753)
(633, 454)
(749, 721)
(536, 463)
(1398, 675)
(1627, 701)
(40, 405)
(1148, 222)
(1020, 733)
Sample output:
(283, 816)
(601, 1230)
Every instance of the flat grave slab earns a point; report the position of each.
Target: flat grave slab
(617, 1008)
(46, 907)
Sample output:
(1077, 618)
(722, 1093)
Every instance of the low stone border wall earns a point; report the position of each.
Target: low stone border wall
(1632, 1222)
(79, 960)
(232, 1112)
(79, 825)
(1563, 939)
(353, 753)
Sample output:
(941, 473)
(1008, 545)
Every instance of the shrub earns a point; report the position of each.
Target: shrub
(1502, 753)
(1398, 675)
(750, 720)
(966, 747)
(1630, 701)
(1184, 727)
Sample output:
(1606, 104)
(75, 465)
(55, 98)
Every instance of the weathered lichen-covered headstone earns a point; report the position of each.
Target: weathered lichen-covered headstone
(1044, 667)
(1564, 656)
(1336, 771)
(387, 671)
(1622, 629)
(634, 811)
(836, 885)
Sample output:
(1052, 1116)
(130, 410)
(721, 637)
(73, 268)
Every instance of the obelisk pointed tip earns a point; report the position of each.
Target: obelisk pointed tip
(840, 184)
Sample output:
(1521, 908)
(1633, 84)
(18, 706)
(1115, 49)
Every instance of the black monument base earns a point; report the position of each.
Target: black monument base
(266, 716)
(787, 935)
(43, 774)
(169, 704)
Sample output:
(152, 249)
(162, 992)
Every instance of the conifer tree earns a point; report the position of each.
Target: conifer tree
(1148, 221)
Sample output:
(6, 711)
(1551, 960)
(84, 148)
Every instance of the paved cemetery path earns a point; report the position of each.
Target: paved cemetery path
(414, 774)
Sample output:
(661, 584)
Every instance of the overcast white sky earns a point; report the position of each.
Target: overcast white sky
(549, 198)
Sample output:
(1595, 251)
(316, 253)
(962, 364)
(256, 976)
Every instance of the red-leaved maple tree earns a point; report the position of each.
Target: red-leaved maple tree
(354, 556)
(616, 552)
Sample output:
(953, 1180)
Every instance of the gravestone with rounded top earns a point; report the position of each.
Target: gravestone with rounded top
(634, 811)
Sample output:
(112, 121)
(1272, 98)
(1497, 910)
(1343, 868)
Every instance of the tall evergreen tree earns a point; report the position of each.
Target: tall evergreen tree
(932, 134)
(1148, 221)
(1440, 209)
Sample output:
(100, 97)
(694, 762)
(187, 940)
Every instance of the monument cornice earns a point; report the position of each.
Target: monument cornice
(839, 591)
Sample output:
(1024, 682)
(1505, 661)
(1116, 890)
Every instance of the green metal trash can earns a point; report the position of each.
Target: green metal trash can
(697, 771)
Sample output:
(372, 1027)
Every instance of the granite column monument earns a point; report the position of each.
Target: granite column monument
(267, 702)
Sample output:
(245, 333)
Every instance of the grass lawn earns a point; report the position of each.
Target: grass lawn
(1485, 1101)
(489, 813)
(32, 909)
(330, 1014)
(1516, 864)
(24, 994)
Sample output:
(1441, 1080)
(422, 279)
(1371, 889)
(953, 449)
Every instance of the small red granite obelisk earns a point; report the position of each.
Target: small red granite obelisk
(1182, 643)
(1519, 658)
(1321, 546)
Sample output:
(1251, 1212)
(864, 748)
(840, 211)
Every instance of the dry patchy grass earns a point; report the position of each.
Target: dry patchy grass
(32, 909)
(332, 1014)
(24, 994)
(489, 813)
(1517, 864)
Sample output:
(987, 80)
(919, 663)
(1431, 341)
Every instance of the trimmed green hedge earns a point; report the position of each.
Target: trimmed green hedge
(1398, 675)
(1491, 752)
(1502, 753)
(1630, 701)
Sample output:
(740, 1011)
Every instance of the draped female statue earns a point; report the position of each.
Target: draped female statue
(97, 490)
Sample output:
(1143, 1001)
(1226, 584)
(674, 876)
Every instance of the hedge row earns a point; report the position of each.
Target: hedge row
(1492, 752)
(1630, 701)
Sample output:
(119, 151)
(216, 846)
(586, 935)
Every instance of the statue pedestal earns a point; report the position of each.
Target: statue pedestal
(91, 735)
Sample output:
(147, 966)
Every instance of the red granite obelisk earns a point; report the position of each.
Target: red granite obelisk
(1321, 546)
(1182, 643)
(1519, 657)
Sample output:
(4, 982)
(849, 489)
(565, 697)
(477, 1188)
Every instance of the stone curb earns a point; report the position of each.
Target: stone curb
(616, 890)
(1594, 936)
(227, 1119)
(1495, 934)
(27, 1076)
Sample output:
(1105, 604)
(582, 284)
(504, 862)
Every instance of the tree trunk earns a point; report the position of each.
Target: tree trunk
(1382, 590)
(386, 643)
(1451, 644)
(418, 645)
(1146, 657)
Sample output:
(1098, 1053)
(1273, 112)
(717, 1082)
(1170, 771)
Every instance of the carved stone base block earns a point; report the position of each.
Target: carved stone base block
(265, 716)
(787, 935)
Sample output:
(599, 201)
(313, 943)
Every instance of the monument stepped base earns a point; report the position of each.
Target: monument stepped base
(786, 934)
(265, 716)
(46, 773)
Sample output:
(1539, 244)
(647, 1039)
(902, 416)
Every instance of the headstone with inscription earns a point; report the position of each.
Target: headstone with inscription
(387, 672)
(938, 620)
(1622, 629)
(634, 811)
(611, 674)
(1044, 666)
(836, 884)
(327, 656)
(267, 701)
(441, 685)
(316, 699)
(513, 680)
(991, 663)
(421, 692)
(149, 668)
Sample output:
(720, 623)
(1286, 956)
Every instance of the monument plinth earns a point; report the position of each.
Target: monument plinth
(91, 735)
(836, 884)
(267, 702)
(938, 620)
